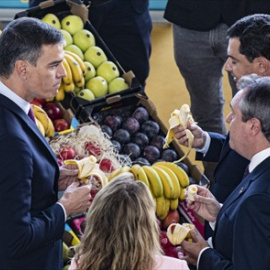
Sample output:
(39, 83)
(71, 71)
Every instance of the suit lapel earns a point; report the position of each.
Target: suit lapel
(11, 106)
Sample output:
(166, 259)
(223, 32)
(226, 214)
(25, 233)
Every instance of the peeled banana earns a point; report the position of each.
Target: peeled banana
(191, 192)
(88, 167)
(44, 119)
(180, 118)
(177, 233)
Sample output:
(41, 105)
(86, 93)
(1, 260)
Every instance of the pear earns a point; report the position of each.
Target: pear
(98, 86)
(52, 19)
(108, 70)
(75, 49)
(84, 39)
(95, 55)
(90, 71)
(117, 84)
(67, 37)
(72, 24)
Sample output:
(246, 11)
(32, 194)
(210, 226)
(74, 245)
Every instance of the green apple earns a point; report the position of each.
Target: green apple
(95, 55)
(84, 39)
(86, 94)
(117, 84)
(90, 71)
(72, 24)
(52, 19)
(67, 37)
(108, 70)
(75, 49)
(98, 86)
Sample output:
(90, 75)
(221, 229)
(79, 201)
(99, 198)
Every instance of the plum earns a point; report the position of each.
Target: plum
(151, 153)
(131, 125)
(141, 114)
(169, 155)
(141, 161)
(132, 150)
(117, 145)
(140, 139)
(113, 121)
(150, 128)
(158, 141)
(184, 167)
(106, 129)
(121, 135)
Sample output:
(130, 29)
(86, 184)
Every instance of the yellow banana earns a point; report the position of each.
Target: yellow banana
(173, 177)
(76, 70)
(69, 87)
(117, 172)
(79, 60)
(182, 196)
(40, 127)
(88, 167)
(180, 118)
(67, 79)
(180, 173)
(50, 99)
(174, 204)
(139, 174)
(168, 188)
(167, 209)
(154, 181)
(160, 206)
(47, 123)
(61, 93)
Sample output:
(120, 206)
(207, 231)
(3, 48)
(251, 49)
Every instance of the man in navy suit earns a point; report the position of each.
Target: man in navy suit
(248, 52)
(242, 225)
(32, 216)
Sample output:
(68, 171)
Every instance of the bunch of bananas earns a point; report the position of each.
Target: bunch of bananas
(44, 123)
(166, 181)
(75, 70)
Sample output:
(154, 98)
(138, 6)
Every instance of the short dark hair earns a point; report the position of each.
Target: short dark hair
(256, 104)
(22, 39)
(253, 32)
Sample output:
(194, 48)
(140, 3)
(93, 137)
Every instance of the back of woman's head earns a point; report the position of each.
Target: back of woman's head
(121, 230)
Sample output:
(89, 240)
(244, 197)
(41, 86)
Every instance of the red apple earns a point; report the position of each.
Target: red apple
(172, 217)
(92, 149)
(53, 111)
(67, 152)
(42, 101)
(106, 165)
(169, 249)
(36, 102)
(60, 124)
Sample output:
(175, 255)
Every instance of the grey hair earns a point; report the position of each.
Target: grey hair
(256, 104)
(246, 80)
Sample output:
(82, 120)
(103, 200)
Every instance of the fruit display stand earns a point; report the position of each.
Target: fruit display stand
(61, 9)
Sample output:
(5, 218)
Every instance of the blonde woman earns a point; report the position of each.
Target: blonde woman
(121, 231)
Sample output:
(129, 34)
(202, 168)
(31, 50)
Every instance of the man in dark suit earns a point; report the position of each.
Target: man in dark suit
(242, 225)
(32, 216)
(125, 27)
(248, 53)
(200, 50)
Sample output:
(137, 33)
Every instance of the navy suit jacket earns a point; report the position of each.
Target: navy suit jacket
(32, 224)
(230, 168)
(242, 235)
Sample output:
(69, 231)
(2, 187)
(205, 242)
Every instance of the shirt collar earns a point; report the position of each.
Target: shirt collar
(23, 104)
(258, 158)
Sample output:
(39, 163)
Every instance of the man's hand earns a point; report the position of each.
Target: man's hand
(205, 204)
(76, 198)
(198, 133)
(191, 250)
(68, 175)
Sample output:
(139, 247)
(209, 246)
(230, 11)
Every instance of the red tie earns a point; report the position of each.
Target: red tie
(32, 115)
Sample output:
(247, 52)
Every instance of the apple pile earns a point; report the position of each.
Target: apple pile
(54, 112)
(100, 75)
(135, 134)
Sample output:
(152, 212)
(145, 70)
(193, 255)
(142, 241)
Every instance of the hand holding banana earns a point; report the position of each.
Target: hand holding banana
(180, 118)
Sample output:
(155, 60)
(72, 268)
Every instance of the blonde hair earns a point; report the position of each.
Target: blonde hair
(121, 228)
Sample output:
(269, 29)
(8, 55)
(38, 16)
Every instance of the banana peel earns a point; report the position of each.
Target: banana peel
(180, 118)
(88, 167)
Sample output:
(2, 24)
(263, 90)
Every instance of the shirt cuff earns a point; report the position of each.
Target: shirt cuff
(204, 150)
(200, 254)
(64, 210)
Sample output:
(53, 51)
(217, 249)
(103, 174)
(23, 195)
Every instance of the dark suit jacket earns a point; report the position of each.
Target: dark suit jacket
(230, 169)
(204, 15)
(32, 224)
(242, 234)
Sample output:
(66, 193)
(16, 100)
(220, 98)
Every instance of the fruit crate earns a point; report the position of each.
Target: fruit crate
(127, 103)
(64, 8)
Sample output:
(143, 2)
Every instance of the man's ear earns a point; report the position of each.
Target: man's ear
(255, 126)
(263, 66)
(21, 68)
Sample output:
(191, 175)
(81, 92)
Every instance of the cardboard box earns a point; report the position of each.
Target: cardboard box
(92, 113)
(66, 7)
